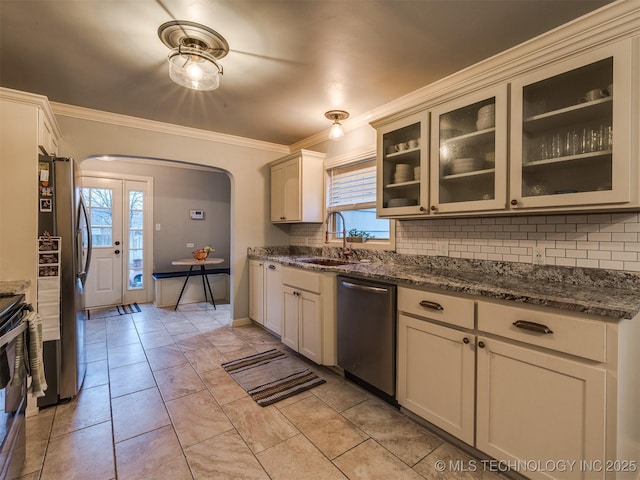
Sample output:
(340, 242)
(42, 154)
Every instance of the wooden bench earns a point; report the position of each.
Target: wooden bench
(169, 284)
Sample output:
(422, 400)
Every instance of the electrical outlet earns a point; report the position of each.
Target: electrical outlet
(191, 245)
(442, 248)
(539, 257)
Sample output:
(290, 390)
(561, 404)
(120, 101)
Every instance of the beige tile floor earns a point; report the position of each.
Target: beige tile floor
(157, 405)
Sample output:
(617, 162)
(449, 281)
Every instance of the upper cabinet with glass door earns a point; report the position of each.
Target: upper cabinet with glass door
(469, 153)
(403, 148)
(571, 133)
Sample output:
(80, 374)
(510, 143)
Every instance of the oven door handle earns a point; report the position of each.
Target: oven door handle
(366, 288)
(12, 334)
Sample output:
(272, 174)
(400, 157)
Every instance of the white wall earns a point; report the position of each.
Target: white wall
(246, 165)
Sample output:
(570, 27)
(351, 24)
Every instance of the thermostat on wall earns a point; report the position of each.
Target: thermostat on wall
(196, 214)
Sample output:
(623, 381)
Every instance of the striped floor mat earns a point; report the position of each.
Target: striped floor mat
(128, 308)
(272, 376)
(102, 312)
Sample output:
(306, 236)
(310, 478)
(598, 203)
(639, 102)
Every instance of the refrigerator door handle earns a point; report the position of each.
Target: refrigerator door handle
(83, 266)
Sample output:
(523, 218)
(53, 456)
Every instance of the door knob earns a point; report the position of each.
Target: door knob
(117, 252)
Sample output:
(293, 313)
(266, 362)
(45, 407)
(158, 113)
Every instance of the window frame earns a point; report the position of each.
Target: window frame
(352, 158)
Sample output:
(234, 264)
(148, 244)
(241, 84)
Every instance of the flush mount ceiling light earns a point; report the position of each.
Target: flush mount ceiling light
(336, 129)
(195, 50)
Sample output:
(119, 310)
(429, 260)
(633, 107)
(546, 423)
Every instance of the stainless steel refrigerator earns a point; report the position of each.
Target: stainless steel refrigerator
(62, 213)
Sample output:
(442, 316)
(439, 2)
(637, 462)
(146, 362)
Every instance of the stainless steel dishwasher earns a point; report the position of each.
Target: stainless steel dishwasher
(367, 334)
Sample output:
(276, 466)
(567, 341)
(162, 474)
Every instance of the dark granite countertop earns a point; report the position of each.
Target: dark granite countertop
(13, 287)
(611, 294)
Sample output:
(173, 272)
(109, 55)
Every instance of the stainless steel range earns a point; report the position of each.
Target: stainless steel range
(13, 389)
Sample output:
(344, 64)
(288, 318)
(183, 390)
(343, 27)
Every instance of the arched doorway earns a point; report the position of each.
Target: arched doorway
(176, 188)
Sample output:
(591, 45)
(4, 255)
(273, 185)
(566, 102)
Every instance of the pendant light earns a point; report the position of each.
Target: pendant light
(195, 50)
(336, 131)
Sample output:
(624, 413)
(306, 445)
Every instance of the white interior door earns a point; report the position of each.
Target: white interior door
(103, 199)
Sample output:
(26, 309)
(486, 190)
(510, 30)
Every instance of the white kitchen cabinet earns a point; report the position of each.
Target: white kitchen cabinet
(265, 294)
(469, 153)
(402, 163)
(308, 314)
(302, 323)
(522, 383)
(436, 375)
(273, 297)
(436, 359)
(256, 291)
(571, 132)
(534, 405)
(546, 372)
(47, 134)
(20, 117)
(572, 113)
(297, 188)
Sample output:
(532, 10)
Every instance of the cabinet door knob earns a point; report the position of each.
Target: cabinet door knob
(422, 209)
(514, 202)
(433, 208)
(481, 344)
(117, 252)
(272, 267)
(465, 340)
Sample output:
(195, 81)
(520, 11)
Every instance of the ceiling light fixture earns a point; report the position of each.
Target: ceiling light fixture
(336, 129)
(195, 50)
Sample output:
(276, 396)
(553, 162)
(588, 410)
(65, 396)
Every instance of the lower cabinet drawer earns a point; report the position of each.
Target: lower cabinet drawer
(564, 333)
(444, 308)
(301, 279)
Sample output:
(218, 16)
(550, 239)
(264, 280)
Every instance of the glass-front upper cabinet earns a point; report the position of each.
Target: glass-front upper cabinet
(469, 153)
(571, 132)
(403, 161)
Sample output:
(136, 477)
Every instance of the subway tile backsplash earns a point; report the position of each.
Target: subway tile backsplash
(608, 241)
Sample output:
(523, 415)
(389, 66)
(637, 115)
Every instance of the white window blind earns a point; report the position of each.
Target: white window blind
(352, 186)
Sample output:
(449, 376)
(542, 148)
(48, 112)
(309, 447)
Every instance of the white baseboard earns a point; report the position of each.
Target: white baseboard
(240, 322)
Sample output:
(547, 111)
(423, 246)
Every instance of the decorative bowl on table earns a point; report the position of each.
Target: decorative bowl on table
(200, 254)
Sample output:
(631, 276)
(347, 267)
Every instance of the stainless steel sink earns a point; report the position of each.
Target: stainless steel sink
(325, 262)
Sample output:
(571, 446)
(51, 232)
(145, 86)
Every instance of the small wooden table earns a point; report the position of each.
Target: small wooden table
(192, 262)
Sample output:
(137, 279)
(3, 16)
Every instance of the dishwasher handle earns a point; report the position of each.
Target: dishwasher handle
(365, 288)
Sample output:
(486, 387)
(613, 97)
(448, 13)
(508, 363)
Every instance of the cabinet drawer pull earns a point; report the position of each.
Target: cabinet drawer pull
(532, 326)
(431, 305)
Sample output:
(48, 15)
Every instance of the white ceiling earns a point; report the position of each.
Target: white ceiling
(289, 60)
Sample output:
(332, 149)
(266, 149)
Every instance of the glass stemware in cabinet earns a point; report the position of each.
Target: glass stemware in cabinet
(567, 132)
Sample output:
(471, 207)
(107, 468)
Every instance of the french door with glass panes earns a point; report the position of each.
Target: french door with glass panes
(117, 212)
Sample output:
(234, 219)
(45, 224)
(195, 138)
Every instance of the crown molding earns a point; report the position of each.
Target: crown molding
(83, 113)
(603, 26)
(33, 100)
